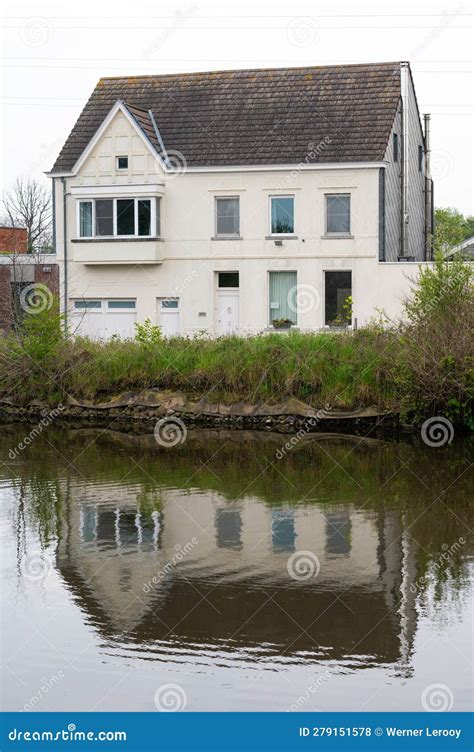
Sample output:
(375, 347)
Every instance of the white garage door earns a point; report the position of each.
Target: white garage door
(101, 319)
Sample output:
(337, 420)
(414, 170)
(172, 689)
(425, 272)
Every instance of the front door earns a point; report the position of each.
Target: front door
(227, 313)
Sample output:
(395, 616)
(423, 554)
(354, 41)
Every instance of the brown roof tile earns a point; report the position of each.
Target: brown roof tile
(252, 117)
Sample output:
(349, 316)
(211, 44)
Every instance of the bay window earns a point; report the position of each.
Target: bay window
(119, 217)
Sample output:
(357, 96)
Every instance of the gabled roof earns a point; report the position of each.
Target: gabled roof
(253, 117)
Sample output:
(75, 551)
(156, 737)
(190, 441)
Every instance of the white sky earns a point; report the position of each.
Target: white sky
(53, 53)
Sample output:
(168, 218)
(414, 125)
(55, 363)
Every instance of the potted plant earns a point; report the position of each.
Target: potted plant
(344, 317)
(282, 323)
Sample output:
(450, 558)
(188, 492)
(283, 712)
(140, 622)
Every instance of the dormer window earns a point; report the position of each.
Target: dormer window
(122, 163)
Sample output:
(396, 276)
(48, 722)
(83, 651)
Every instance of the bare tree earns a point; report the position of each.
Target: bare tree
(28, 204)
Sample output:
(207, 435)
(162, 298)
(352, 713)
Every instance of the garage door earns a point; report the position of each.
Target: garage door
(101, 319)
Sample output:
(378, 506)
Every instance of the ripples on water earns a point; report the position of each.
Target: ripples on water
(128, 566)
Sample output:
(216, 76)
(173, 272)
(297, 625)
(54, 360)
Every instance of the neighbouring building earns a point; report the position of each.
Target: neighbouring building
(13, 240)
(28, 283)
(221, 202)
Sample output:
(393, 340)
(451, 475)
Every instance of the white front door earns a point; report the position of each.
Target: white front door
(168, 316)
(227, 312)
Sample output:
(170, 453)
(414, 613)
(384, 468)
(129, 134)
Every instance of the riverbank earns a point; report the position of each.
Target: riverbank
(410, 371)
(141, 410)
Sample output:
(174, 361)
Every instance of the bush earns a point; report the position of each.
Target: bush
(434, 373)
(147, 333)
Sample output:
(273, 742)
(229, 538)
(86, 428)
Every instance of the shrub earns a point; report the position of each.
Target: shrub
(147, 333)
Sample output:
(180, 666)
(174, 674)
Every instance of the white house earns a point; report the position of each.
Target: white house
(221, 201)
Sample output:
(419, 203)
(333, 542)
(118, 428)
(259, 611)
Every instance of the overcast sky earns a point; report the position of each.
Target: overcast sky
(53, 53)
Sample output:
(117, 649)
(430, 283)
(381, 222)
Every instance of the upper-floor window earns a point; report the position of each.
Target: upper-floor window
(338, 214)
(282, 215)
(420, 158)
(395, 147)
(227, 216)
(122, 163)
(121, 217)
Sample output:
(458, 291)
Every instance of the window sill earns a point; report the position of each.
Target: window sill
(124, 239)
(227, 237)
(337, 236)
(281, 237)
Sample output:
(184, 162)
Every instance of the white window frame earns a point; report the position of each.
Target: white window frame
(153, 217)
(121, 156)
(347, 234)
(225, 234)
(281, 234)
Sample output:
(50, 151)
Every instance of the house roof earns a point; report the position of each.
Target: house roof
(253, 117)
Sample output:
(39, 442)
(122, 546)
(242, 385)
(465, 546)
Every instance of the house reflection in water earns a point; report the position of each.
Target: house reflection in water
(231, 588)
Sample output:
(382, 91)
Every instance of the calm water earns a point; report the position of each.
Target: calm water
(333, 578)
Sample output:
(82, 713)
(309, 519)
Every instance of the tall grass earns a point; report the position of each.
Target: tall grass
(341, 369)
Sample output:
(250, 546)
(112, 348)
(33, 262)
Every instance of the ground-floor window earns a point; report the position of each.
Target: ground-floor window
(282, 296)
(227, 279)
(338, 298)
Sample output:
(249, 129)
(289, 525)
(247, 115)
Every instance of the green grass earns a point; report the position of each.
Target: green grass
(345, 370)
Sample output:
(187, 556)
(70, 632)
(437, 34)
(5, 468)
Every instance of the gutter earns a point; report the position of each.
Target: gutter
(65, 281)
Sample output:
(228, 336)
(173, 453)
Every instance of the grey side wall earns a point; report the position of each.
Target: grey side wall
(416, 179)
(416, 186)
(392, 193)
